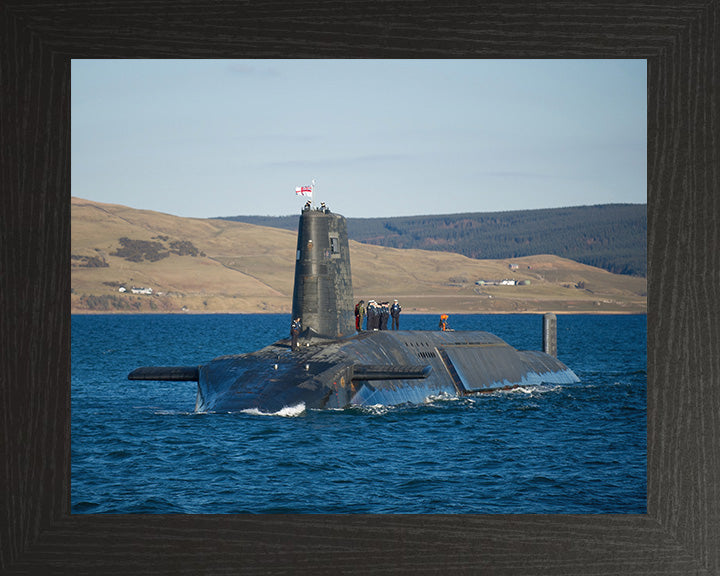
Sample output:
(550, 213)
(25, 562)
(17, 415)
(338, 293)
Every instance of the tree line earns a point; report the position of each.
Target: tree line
(608, 236)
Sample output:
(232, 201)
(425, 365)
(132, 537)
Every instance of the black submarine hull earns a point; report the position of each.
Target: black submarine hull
(383, 368)
(335, 367)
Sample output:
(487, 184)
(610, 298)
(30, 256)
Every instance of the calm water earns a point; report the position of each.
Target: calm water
(138, 446)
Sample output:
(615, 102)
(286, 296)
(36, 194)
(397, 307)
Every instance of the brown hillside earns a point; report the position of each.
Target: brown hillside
(245, 268)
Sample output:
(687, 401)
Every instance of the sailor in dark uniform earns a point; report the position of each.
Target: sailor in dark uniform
(384, 315)
(395, 310)
(371, 315)
(294, 333)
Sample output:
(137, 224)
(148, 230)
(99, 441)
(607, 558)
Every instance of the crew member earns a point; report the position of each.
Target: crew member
(359, 315)
(443, 322)
(384, 315)
(371, 315)
(395, 310)
(307, 205)
(295, 332)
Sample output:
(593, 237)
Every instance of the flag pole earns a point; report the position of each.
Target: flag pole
(312, 193)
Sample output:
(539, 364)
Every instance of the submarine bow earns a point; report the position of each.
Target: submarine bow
(335, 367)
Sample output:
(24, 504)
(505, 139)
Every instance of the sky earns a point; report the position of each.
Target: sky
(205, 138)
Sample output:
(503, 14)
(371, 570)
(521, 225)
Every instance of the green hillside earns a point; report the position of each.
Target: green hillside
(610, 236)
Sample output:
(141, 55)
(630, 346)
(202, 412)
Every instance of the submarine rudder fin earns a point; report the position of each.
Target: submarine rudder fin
(166, 373)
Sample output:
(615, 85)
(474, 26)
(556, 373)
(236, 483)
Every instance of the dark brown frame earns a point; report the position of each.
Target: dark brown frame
(680, 534)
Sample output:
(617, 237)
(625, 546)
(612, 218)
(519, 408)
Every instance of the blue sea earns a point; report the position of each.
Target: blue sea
(138, 447)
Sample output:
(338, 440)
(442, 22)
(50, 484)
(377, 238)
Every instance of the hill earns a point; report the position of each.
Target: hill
(609, 236)
(217, 265)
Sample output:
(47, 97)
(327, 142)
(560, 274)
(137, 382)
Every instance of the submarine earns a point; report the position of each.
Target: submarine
(335, 367)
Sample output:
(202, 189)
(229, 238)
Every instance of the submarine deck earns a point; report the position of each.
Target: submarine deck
(372, 368)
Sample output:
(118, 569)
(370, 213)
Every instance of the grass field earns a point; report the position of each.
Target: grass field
(243, 268)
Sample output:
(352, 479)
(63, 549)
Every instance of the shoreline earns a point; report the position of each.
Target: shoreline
(428, 313)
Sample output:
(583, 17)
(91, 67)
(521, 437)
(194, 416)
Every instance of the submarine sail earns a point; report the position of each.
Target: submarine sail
(323, 294)
(335, 367)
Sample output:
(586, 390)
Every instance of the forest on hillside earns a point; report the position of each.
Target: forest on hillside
(608, 236)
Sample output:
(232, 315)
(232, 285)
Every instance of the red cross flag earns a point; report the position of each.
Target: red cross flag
(303, 191)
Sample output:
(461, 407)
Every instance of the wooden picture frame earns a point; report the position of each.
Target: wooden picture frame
(680, 534)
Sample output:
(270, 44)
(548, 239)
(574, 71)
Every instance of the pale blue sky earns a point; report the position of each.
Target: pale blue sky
(206, 138)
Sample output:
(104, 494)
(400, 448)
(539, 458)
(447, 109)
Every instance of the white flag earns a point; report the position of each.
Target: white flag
(303, 191)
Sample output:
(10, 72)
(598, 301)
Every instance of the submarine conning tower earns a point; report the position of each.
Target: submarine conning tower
(323, 293)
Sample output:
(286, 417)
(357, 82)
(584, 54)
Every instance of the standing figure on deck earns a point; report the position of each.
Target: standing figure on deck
(359, 315)
(372, 316)
(294, 333)
(443, 322)
(395, 310)
(384, 315)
